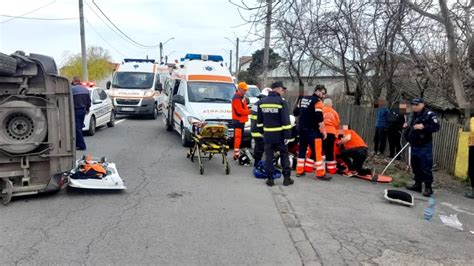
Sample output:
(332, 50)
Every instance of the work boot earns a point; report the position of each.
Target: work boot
(270, 182)
(288, 181)
(324, 177)
(469, 194)
(428, 190)
(415, 187)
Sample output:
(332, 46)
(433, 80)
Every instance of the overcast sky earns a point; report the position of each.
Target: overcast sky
(198, 26)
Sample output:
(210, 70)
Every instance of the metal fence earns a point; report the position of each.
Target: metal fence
(362, 120)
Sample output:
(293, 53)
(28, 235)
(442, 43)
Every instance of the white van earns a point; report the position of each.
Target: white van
(201, 90)
(136, 88)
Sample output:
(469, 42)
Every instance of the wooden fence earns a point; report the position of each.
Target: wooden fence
(362, 120)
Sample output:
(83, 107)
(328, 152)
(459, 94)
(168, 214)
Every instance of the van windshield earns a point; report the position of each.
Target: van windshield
(207, 92)
(133, 80)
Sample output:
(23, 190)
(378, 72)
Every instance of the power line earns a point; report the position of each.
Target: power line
(108, 26)
(27, 13)
(34, 18)
(111, 46)
(145, 46)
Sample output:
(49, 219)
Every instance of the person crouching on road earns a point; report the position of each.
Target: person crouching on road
(82, 104)
(259, 147)
(273, 121)
(354, 151)
(240, 115)
(331, 123)
(419, 133)
(311, 133)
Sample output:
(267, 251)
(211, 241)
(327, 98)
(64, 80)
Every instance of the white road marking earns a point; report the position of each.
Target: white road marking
(120, 121)
(456, 208)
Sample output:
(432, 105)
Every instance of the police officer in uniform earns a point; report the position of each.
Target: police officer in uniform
(82, 104)
(419, 132)
(273, 120)
(311, 133)
(256, 135)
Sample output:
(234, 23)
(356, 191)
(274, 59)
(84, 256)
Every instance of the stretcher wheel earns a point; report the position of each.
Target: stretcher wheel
(6, 191)
(227, 168)
(201, 169)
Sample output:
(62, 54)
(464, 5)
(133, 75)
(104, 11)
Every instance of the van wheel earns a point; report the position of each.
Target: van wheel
(185, 137)
(168, 125)
(111, 122)
(154, 115)
(92, 124)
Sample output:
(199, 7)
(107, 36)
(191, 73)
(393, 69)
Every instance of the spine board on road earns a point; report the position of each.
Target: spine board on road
(111, 181)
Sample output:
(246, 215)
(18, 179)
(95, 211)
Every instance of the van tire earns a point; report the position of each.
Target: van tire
(168, 122)
(185, 137)
(21, 125)
(154, 115)
(7, 65)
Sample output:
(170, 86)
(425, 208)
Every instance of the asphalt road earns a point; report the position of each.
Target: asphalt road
(171, 215)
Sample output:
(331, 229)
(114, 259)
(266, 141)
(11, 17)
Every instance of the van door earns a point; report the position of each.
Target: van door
(179, 109)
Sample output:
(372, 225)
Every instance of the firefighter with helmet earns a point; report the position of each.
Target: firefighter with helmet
(256, 135)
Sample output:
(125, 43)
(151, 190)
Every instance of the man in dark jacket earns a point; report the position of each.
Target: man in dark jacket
(422, 125)
(311, 133)
(273, 120)
(395, 122)
(82, 104)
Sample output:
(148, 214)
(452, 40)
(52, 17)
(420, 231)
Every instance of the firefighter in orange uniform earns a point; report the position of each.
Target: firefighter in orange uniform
(312, 132)
(240, 115)
(331, 123)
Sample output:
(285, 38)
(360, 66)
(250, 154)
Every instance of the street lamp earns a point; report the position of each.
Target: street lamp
(230, 59)
(166, 56)
(161, 48)
(237, 61)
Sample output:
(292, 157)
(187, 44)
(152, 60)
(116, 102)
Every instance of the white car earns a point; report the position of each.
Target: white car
(101, 112)
(252, 93)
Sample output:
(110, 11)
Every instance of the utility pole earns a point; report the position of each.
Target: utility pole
(161, 52)
(237, 59)
(267, 41)
(83, 42)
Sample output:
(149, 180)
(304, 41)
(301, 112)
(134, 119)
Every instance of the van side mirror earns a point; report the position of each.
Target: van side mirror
(108, 85)
(178, 99)
(159, 86)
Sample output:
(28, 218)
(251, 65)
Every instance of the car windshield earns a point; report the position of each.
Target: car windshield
(208, 92)
(253, 92)
(133, 80)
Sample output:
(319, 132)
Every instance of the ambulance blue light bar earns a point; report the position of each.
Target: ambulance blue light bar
(128, 60)
(215, 58)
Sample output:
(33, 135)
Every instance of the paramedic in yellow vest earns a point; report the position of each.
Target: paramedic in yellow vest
(240, 115)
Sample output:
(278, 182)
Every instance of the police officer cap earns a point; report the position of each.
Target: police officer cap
(417, 101)
(277, 84)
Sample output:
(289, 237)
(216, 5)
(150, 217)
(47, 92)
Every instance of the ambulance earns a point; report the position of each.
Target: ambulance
(136, 88)
(201, 89)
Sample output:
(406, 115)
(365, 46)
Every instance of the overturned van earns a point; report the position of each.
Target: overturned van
(37, 147)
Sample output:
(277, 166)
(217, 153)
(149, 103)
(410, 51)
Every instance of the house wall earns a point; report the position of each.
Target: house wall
(332, 84)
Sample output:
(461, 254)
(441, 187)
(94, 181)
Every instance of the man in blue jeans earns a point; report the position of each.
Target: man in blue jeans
(82, 104)
(381, 125)
(420, 129)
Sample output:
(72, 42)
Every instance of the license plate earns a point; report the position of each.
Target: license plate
(128, 109)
